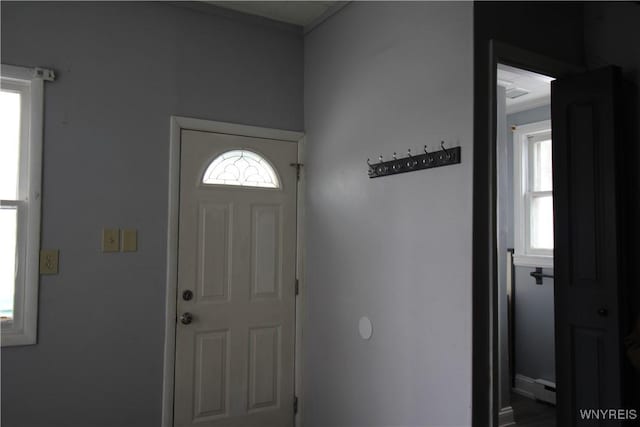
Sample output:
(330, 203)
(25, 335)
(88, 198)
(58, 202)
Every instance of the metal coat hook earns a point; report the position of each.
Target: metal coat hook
(411, 162)
(395, 166)
(445, 150)
(428, 157)
(381, 169)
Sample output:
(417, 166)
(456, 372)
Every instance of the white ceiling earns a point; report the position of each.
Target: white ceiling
(302, 13)
(538, 87)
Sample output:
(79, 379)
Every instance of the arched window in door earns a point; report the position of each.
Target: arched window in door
(243, 168)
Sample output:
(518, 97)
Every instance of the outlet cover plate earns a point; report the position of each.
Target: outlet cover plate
(111, 240)
(129, 240)
(49, 261)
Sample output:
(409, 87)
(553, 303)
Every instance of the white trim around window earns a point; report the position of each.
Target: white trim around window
(29, 83)
(525, 255)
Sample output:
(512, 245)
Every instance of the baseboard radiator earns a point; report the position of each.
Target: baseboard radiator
(537, 389)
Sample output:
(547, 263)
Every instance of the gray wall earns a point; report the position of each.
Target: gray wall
(123, 69)
(379, 78)
(535, 329)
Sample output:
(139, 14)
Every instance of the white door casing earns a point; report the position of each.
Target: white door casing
(234, 363)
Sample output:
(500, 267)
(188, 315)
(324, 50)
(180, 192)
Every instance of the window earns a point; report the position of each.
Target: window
(241, 167)
(533, 195)
(21, 93)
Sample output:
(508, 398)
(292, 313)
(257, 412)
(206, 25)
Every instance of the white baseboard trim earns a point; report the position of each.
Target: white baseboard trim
(505, 417)
(535, 389)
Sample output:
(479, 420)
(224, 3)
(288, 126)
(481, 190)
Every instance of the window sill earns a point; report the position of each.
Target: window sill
(12, 337)
(544, 261)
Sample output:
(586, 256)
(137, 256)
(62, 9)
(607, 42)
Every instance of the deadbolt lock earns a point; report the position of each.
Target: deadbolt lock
(187, 295)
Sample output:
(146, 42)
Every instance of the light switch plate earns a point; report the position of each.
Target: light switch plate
(129, 240)
(49, 261)
(110, 240)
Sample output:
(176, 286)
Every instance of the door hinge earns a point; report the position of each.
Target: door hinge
(297, 287)
(295, 404)
(298, 166)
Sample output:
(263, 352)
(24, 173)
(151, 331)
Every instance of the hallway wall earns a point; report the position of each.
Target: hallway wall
(383, 77)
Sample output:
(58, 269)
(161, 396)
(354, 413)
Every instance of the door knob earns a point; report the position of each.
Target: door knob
(186, 318)
(603, 312)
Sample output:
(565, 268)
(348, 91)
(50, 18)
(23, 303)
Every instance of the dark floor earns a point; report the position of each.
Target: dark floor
(530, 413)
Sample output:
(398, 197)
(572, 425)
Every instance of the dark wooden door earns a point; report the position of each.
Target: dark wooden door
(588, 272)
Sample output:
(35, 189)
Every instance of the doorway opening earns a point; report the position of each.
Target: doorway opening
(524, 237)
(587, 144)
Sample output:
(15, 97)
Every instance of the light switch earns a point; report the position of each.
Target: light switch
(49, 261)
(129, 240)
(110, 240)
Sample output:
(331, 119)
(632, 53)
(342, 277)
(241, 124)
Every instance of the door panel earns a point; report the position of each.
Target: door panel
(234, 360)
(263, 367)
(266, 244)
(211, 362)
(586, 255)
(214, 251)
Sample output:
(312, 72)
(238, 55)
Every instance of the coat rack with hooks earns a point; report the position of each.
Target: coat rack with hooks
(410, 163)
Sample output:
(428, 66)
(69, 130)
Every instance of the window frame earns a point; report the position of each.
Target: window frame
(22, 329)
(524, 254)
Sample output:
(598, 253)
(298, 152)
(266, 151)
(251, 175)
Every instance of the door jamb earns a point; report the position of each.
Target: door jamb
(177, 124)
(485, 405)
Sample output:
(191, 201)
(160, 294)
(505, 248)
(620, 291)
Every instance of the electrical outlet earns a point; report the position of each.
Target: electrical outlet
(129, 240)
(49, 261)
(110, 240)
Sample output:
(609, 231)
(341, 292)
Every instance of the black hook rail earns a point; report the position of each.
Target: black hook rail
(428, 160)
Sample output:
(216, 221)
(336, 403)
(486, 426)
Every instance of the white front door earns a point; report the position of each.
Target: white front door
(236, 282)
